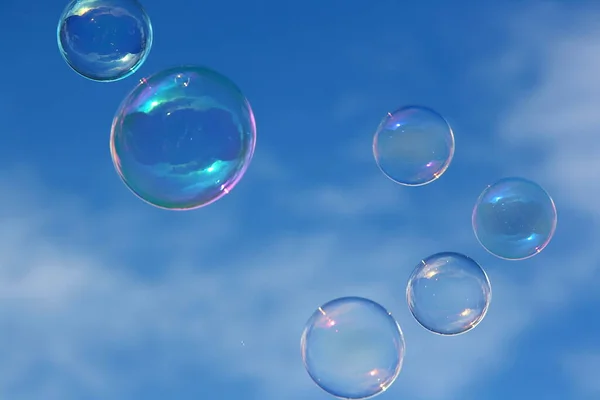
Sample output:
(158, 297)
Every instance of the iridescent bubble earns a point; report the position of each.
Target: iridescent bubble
(183, 138)
(104, 40)
(514, 219)
(352, 348)
(448, 293)
(413, 146)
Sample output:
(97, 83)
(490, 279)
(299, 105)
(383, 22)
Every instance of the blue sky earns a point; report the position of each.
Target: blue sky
(105, 297)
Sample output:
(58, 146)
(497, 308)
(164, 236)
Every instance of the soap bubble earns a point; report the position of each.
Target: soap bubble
(413, 146)
(183, 138)
(514, 219)
(352, 348)
(104, 40)
(448, 293)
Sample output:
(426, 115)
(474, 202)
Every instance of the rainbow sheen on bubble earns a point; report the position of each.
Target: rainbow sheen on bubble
(352, 348)
(183, 138)
(104, 40)
(514, 219)
(413, 146)
(448, 293)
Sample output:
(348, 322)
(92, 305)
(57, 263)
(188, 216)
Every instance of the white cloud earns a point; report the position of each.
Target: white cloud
(549, 132)
(374, 195)
(75, 296)
(557, 117)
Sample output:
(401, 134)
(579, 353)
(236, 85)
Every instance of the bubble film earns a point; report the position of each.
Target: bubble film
(183, 138)
(413, 146)
(448, 293)
(514, 219)
(352, 348)
(104, 40)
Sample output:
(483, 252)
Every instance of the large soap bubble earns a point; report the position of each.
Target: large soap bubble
(352, 348)
(183, 138)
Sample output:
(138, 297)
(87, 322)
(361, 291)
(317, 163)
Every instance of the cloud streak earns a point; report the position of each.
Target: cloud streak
(81, 306)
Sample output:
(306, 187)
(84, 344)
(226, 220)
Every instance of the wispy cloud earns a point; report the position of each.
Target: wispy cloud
(77, 306)
(546, 78)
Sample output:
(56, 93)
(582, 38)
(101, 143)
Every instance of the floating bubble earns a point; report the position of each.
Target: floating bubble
(514, 219)
(104, 40)
(448, 293)
(183, 138)
(413, 146)
(352, 348)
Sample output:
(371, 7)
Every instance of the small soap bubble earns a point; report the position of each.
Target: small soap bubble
(448, 293)
(182, 80)
(413, 146)
(183, 138)
(104, 40)
(514, 219)
(352, 348)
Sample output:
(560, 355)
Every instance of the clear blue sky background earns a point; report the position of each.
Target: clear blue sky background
(105, 297)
